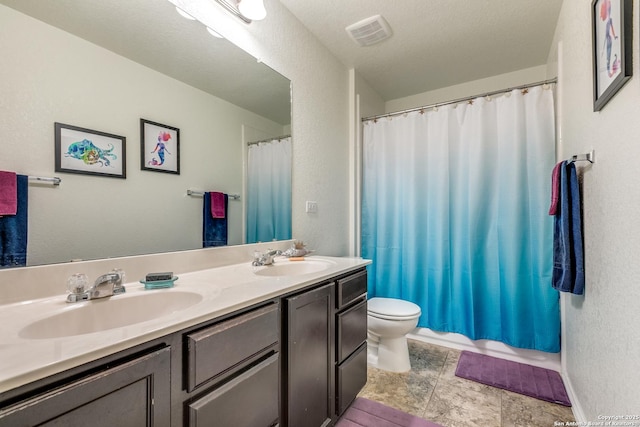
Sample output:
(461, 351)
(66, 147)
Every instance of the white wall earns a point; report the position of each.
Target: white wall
(601, 330)
(50, 76)
(475, 87)
(370, 103)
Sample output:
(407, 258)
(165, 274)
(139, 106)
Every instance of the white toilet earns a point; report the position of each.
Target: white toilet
(389, 320)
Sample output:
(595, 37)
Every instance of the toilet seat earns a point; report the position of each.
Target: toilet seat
(392, 309)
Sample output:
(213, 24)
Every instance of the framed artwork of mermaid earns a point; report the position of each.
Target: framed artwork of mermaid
(611, 22)
(159, 147)
(90, 152)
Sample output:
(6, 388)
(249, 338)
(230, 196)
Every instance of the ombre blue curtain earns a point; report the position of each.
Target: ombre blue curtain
(455, 216)
(269, 191)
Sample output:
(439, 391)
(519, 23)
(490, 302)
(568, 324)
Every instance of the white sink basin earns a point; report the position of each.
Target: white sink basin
(109, 313)
(292, 268)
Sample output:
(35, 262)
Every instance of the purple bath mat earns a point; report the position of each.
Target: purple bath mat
(367, 413)
(532, 381)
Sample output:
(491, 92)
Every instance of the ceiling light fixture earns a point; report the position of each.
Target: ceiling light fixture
(247, 10)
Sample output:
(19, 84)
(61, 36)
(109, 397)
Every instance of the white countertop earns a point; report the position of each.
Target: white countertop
(222, 289)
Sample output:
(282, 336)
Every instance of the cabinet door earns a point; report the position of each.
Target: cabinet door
(135, 393)
(309, 382)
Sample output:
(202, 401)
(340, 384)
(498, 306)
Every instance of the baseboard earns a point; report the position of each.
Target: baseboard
(576, 408)
(491, 348)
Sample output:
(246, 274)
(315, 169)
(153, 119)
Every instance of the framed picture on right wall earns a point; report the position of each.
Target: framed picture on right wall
(612, 35)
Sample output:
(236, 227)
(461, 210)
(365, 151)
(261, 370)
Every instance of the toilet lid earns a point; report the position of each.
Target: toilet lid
(392, 307)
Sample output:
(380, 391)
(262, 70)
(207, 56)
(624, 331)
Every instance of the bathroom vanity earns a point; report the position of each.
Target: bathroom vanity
(273, 345)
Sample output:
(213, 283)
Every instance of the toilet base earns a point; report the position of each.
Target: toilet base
(388, 354)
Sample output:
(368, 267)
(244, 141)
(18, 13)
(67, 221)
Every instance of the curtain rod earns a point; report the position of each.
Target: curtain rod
(269, 139)
(456, 101)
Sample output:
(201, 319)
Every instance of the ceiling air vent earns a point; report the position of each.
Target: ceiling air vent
(369, 31)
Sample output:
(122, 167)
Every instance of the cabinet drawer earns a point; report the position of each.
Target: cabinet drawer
(249, 400)
(352, 376)
(351, 288)
(352, 329)
(218, 348)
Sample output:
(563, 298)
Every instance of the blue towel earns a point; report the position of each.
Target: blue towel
(214, 230)
(568, 251)
(13, 229)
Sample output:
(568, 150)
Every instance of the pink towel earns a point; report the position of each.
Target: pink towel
(555, 188)
(217, 205)
(8, 193)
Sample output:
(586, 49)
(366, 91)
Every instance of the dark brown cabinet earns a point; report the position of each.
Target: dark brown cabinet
(351, 338)
(325, 355)
(233, 371)
(295, 360)
(135, 393)
(308, 382)
(248, 400)
(224, 347)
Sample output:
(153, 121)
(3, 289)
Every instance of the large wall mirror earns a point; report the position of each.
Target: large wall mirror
(104, 66)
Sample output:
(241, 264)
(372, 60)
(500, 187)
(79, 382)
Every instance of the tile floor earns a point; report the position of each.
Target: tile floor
(432, 391)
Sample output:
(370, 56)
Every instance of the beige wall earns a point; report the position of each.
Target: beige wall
(601, 330)
(476, 87)
(320, 116)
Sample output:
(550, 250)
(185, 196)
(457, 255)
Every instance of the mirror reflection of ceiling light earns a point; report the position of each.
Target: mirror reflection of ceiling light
(252, 9)
(214, 33)
(246, 10)
(184, 14)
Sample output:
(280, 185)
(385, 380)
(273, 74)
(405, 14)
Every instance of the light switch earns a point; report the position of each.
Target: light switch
(312, 207)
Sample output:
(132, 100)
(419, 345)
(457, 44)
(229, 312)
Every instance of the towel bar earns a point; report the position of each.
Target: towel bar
(589, 157)
(201, 193)
(55, 180)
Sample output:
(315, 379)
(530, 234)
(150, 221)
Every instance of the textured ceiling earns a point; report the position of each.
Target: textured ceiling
(435, 43)
(151, 33)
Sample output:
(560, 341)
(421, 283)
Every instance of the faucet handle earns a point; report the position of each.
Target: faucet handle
(77, 283)
(118, 287)
(120, 272)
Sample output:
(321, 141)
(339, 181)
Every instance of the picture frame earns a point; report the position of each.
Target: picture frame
(89, 152)
(159, 147)
(612, 36)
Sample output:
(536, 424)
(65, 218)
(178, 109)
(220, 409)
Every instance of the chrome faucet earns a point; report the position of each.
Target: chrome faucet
(265, 258)
(105, 286)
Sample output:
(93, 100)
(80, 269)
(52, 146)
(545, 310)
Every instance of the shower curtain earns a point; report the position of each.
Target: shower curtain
(269, 191)
(455, 216)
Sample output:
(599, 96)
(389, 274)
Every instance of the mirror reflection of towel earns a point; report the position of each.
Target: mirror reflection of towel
(218, 208)
(214, 230)
(8, 193)
(13, 229)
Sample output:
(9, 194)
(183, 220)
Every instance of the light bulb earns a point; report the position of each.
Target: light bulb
(252, 9)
